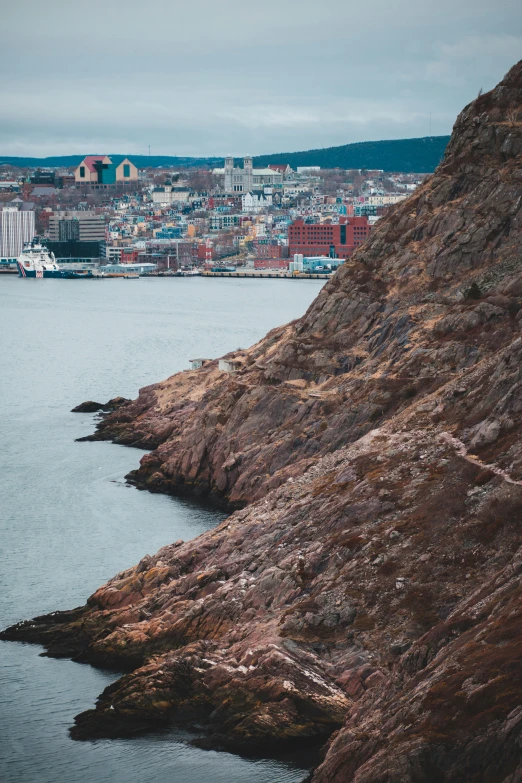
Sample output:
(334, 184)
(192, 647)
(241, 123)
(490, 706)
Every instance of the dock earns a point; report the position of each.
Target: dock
(260, 274)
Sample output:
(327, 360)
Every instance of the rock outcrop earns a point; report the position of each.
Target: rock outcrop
(368, 587)
(96, 407)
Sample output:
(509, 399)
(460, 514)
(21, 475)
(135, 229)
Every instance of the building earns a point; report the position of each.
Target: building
(140, 267)
(219, 222)
(100, 170)
(129, 255)
(65, 180)
(243, 180)
(269, 248)
(386, 201)
(314, 264)
(113, 253)
(328, 239)
(85, 226)
(162, 261)
(16, 228)
(169, 194)
(90, 170)
(43, 190)
(167, 232)
(43, 177)
(369, 209)
(71, 251)
(195, 364)
(271, 263)
(255, 202)
(282, 168)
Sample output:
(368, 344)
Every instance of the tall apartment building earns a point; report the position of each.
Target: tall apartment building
(340, 240)
(76, 226)
(16, 228)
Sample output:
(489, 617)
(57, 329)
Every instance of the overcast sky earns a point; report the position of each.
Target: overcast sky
(216, 77)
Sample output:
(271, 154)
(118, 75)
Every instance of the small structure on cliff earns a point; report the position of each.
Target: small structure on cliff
(195, 364)
(230, 365)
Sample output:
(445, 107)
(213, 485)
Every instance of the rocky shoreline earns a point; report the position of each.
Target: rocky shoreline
(366, 588)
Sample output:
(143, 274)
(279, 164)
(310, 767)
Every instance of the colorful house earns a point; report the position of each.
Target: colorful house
(100, 170)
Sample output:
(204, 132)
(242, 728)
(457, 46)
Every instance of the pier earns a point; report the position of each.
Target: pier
(261, 274)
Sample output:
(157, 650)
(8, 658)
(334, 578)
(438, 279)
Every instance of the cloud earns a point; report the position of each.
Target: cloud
(202, 78)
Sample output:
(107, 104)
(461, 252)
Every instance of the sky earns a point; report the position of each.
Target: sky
(218, 77)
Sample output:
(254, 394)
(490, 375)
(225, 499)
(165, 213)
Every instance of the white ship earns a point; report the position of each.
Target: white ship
(35, 260)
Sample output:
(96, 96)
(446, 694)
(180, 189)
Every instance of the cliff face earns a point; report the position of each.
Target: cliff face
(392, 325)
(370, 590)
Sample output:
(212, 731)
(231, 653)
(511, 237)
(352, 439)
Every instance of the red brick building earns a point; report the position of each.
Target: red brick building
(265, 248)
(271, 263)
(316, 239)
(202, 252)
(129, 255)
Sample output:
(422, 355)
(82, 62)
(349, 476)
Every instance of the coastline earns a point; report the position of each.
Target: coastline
(368, 591)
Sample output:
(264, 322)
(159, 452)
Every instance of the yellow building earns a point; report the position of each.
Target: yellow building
(126, 171)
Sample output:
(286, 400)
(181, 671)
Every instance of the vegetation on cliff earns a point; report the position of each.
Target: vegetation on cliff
(367, 589)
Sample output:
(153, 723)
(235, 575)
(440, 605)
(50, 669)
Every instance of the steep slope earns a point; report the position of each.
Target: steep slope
(370, 590)
(393, 324)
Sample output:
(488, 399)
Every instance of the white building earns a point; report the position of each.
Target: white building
(255, 202)
(139, 267)
(16, 228)
(170, 194)
(112, 253)
(383, 201)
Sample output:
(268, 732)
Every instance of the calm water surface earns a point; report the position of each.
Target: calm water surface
(68, 520)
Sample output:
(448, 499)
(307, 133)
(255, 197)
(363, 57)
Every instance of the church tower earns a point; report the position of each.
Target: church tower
(229, 173)
(248, 176)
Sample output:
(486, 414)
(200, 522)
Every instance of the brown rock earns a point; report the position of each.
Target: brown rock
(315, 608)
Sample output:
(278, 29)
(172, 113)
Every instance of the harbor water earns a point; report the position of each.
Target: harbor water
(69, 521)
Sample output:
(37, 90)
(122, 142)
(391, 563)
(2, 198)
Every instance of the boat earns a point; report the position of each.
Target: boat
(35, 260)
(78, 274)
(188, 273)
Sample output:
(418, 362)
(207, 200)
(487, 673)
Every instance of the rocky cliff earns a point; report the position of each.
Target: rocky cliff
(367, 589)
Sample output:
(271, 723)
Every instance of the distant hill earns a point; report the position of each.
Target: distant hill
(141, 161)
(408, 155)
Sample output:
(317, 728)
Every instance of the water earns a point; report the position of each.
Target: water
(69, 522)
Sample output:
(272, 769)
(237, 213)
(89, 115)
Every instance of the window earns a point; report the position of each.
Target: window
(82, 171)
(126, 170)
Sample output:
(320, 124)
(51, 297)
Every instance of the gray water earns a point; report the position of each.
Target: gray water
(68, 522)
